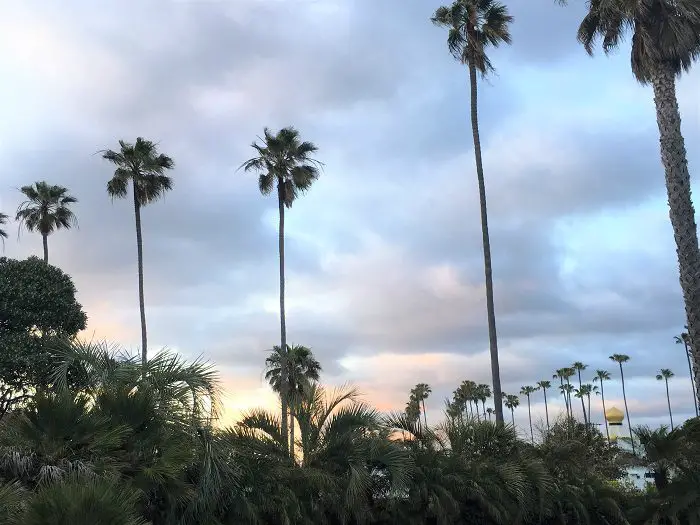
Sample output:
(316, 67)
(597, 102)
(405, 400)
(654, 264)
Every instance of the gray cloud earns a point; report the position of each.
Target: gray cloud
(384, 254)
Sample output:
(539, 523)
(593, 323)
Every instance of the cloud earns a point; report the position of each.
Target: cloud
(384, 257)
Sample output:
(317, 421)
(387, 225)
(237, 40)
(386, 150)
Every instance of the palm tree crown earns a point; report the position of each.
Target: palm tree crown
(473, 26)
(46, 210)
(665, 32)
(142, 165)
(285, 159)
(3, 221)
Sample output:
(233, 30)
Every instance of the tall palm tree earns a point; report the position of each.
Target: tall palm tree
(584, 393)
(473, 26)
(46, 210)
(511, 402)
(283, 161)
(601, 376)
(526, 391)
(3, 233)
(559, 374)
(578, 366)
(684, 340)
(421, 392)
(544, 385)
(620, 359)
(665, 43)
(141, 165)
(483, 392)
(302, 370)
(664, 375)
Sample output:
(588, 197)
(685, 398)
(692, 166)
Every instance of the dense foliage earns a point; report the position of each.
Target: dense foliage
(134, 446)
(37, 308)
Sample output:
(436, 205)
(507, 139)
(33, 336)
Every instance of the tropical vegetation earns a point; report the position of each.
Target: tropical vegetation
(93, 435)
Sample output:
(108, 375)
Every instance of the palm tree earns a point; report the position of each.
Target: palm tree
(421, 392)
(544, 385)
(302, 369)
(3, 233)
(560, 373)
(142, 165)
(283, 161)
(46, 210)
(483, 392)
(620, 359)
(664, 375)
(526, 391)
(684, 340)
(489, 411)
(578, 366)
(601, 376)
(584, 393)
(665, 43)
(511, 402)
(473, 26)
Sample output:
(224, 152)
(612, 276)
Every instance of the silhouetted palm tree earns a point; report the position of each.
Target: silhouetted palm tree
(511, 402)
(46, 210)
(3, 233)
(302, 370)
(664, 375)
(283, 162)
(602, 376)
(665, 43)
(421, 392)
(473, 25)
(684, 339)
(620, 359)
(578, 366)
(544, 385)
(141, 165)
(526, 391)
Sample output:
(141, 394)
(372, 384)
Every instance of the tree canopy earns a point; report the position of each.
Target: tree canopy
(38, 309)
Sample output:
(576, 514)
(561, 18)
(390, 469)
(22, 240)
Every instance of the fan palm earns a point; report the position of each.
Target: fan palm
(684, 339)
(665, 43)
(601, 376)
(473, 26)
(283, 161)
(527, 391)
(620, 359)
(578, 366)
(46, 210)
(664, 375)
(511, 402)
(3, 233)
(301, 370)
(544, 385)
(141, 165)
(421, 392)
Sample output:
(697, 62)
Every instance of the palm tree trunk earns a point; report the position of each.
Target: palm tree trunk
(284, 396)
(45, 240)
(605, 417)
(425, 416)
(692, 383)
(291, 430)
(627, 412)
(142, 303)
(546, 410)
(583, 405)
(590, 419)
(488, 271)
(668, 400)
(529, 415)
(512, 416)
(681, 210)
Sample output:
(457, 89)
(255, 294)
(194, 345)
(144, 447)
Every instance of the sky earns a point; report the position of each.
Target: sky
(384, 258)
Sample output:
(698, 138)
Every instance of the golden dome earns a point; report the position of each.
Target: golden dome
(614, 415)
